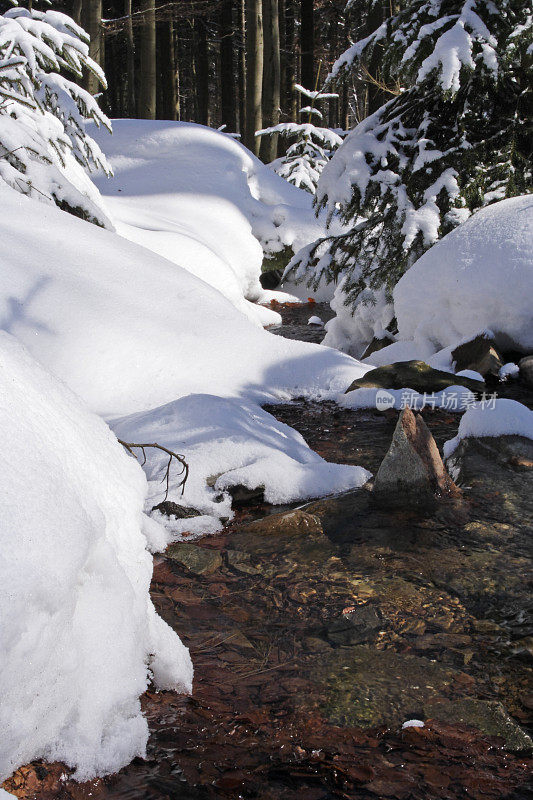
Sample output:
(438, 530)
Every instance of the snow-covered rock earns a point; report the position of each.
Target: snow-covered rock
(199, 198)
(238, 444)
(79, 634)
(493, 418)
(478, 277)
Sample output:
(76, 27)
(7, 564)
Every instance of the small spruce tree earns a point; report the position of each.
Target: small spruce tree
(311, 146)
(457, 136)
(44, 147)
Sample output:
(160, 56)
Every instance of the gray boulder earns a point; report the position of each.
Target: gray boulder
(415, 375)
(480, 355)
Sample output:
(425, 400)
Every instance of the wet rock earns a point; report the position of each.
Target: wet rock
(415, 375)
(473, 455)
(480, 355)
(170, 509)
(271, 278)
(292, 522)
(525, 365)
(367, 687)
(355, 626)
(488, 716)
(196, 559)
(243, 496)
(240, 562)
(377, 344)
(412, 470)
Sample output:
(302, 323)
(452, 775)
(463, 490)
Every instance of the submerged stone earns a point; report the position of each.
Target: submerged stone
(196, 559)
(488, 716)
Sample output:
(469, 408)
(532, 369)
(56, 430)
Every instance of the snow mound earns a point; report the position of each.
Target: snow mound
(128, 331)
(351, 330)
(500, 418)
(199, 198)
(79, 631)
(478, 276)
(233, 443)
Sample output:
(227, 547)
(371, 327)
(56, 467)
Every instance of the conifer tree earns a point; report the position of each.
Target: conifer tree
(455, 135)
(44, 147)
(311, 146)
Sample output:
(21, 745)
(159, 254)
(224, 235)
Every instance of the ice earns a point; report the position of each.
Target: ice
(80, 636)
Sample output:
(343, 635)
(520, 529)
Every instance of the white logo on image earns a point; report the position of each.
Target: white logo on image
(384, 400)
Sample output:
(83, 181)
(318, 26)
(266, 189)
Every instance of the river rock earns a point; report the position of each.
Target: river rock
(171, 509)
(525, 365)
(479, 355)
(488, 716)
(483, 455)
(377, 344)
(196, 559)
(415, 375)
(412, 471)
(291, 522)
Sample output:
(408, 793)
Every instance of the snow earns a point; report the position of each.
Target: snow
(352, 329)
(509, 370)
(136, 333)
(315, 321)
(80, 636)
(234, 443)
(499, 418)
(5, 795)
(478, 276)
(200, 199)
(413, 723)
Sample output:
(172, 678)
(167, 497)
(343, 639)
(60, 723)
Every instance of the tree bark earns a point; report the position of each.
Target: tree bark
(202, 71)
(91, 14)
(147, 90)
(333, 107)
(291, 60)
(254, 73)
(228, 108)
(130, 60)
(242, 67)
(166, 71)
(307, 44)
(271, 78)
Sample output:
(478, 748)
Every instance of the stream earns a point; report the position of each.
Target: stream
(317, 632)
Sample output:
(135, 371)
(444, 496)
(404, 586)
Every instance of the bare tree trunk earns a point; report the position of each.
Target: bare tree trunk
(333, 39)
(271, 78)
(130, 60)
(254, 73)
(307, 43)
(76, 11)
(167, 70)
(91, 14)
(202, 71)
(228, 108)
(291, 58)
(242, 67)
(147, 90)
(375, 96)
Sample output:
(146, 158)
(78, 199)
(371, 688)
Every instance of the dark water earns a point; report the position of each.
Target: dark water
(315, 637)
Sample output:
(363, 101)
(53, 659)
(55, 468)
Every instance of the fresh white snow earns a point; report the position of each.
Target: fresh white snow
(79, 634)
(202, 200)
(500, 418)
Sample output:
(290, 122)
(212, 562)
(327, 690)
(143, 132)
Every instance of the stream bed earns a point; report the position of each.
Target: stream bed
(316, 633)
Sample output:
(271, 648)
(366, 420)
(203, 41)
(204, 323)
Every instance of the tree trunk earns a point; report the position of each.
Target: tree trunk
(167, 70)
(291, 58)
(375, 96)
(202, 71)
(147, 90)
(228, 109)
(307, 44)
(271, 78)
(91, 14)
(76, 11)
(130, 60)
(333, 108)
(242, 67)
(254, 73)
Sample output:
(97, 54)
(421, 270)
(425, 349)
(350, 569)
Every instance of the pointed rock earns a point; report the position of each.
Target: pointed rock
(412, 472)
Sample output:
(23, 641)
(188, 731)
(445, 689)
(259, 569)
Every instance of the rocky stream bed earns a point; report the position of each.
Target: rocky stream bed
(317, 632)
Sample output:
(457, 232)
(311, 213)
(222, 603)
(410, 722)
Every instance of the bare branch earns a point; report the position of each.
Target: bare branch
(131, 446)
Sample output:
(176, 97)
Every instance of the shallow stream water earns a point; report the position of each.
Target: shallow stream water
(316, 637)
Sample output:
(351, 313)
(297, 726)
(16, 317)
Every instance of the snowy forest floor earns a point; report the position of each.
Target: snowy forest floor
(312, 647)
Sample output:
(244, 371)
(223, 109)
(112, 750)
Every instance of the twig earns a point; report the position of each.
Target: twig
(130, 446)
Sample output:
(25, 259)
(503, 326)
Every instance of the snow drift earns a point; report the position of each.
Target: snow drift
(79, 633)
(202, 200)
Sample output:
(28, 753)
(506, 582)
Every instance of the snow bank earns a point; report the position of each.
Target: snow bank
(199, 198)
(234, 443)
(500, 418)
(79, 631)
(478, 276)
(127, 330)
(351, 330)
